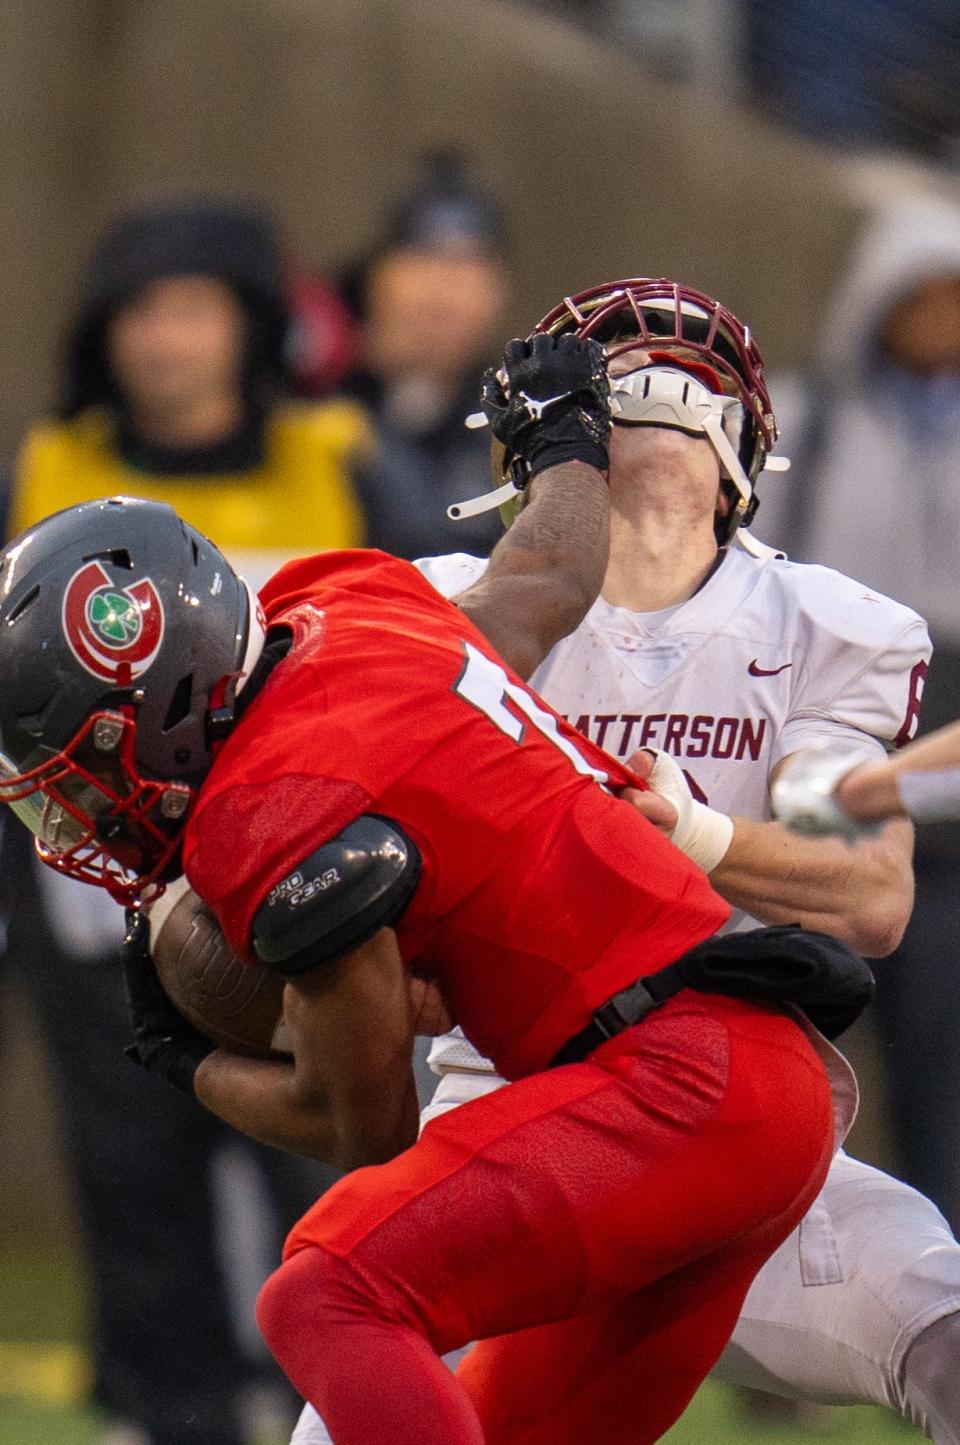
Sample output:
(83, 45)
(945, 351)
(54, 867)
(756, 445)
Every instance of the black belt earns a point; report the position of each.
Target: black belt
(785, 965)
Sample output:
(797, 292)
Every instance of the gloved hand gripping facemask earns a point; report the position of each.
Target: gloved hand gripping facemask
(685, 397)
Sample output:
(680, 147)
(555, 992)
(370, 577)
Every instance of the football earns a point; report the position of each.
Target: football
(236, 1005)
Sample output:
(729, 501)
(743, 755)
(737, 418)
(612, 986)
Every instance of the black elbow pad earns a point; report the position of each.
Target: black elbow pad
(339, 897)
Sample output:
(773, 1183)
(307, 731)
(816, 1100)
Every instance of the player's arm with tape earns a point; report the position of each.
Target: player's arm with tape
(861, 895)
(549, 407)
(860, 687)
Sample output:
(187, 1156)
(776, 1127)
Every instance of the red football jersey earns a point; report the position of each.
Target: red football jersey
(541, 894)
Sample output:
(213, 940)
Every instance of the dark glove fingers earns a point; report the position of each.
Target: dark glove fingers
(492, 382)
(164, 1042)
(514, 352)
(492, 395)
(145, 992)
(136, 929)
(597, 359)
(570, 375)
(542, 345)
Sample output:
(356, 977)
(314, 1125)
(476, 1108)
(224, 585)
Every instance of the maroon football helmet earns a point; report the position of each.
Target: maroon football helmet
(662, 315)
(683, 330)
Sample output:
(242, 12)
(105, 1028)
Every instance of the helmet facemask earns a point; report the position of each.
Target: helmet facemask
(687, 330)
(94, 817)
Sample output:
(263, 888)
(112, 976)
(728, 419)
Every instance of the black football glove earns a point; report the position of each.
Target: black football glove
(164, 1042)
(555, 406)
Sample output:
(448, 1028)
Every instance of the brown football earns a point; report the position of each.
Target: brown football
(236, 1005)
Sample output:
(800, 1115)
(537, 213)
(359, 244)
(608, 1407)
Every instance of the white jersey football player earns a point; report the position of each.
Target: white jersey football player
(726, 660)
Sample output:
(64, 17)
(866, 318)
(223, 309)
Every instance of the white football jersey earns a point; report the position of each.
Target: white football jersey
(768, 657)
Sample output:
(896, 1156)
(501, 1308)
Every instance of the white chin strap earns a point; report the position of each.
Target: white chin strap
(666, 396)
(476, 506)
(670, 397)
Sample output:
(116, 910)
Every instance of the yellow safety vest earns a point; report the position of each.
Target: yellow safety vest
(298, 500)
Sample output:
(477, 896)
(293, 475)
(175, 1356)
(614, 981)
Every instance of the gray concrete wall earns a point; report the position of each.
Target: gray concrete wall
(319, 106)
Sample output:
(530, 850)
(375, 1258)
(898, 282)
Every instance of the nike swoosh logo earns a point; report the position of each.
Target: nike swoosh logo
(756, 671)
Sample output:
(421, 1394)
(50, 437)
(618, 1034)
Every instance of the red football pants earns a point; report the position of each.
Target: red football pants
(611, 1213)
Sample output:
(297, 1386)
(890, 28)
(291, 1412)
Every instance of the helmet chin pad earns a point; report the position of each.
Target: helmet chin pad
(676, 398)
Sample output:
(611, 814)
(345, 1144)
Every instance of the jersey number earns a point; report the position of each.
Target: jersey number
(486, 686)
(917, 678)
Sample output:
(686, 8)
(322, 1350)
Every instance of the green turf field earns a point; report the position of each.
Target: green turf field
(44, 1374)
(712, 1419)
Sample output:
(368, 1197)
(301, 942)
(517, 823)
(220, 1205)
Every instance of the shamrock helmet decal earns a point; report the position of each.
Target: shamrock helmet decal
(114, 631)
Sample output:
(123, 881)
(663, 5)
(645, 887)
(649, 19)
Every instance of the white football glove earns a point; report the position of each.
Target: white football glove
(802, 796)
(702, 833)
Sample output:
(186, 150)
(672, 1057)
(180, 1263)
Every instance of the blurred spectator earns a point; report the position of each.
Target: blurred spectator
(322, 343)
(874, 435)
(175, 389)
(430, 300)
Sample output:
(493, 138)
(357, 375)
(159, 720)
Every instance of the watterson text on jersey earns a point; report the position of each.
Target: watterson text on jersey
(697, 736)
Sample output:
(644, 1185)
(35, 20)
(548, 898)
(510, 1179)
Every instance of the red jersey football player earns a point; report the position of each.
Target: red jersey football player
(385, 797)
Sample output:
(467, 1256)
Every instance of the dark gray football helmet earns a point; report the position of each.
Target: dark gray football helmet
(122, 634)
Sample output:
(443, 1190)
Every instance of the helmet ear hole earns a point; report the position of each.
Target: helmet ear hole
(180, 703)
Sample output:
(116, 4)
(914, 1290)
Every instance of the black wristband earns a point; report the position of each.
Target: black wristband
(590, 453)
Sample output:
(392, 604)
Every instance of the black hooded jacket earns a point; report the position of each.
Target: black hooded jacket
(234, 243)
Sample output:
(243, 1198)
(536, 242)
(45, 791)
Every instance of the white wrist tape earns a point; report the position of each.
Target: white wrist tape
(802, 797)
(932, 796)
(701, 832)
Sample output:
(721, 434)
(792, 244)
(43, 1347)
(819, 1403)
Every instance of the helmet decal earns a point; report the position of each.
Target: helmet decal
(114, 632)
